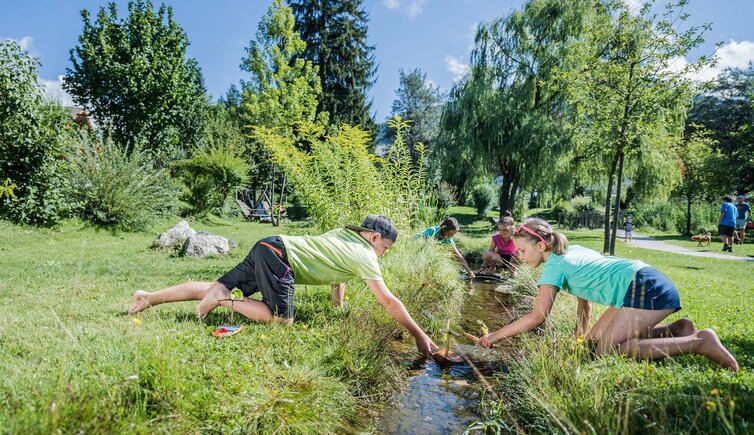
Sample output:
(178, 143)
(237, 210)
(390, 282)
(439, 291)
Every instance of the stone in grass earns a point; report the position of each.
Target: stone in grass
(203, 244)
(174, 238)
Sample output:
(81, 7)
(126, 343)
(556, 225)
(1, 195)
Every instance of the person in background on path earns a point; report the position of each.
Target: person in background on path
(744, 214)
(444, 234)
(726, 223)
(639, 297)
(276, 263)
(628, 229)
(501, 252)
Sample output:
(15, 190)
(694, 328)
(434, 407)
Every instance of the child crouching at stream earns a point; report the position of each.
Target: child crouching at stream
(275, 264)
(639, 297)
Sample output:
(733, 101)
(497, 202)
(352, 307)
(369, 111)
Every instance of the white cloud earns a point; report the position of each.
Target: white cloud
(731, 55)
(53, 91)
(26, 42)
(392, 4)
(634, 5)
(456, 67)
(411, 8)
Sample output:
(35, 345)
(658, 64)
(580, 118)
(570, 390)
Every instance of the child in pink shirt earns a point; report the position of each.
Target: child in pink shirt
(502, 251)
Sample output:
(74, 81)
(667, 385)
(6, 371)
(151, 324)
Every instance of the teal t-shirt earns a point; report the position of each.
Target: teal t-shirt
(334, 257)
(589, 275)
(434, 233)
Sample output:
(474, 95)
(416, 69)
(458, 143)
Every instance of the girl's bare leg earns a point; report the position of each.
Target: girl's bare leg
(599, 328)
(630, 327)
(188, 291)
(680, 328)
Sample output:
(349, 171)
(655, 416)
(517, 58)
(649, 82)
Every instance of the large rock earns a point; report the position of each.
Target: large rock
(203, 244)
(175, 236)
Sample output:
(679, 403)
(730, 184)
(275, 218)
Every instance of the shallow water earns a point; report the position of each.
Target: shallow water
(441, 399)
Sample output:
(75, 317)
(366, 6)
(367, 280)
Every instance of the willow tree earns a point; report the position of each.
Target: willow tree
(508, 113)
(630, 88)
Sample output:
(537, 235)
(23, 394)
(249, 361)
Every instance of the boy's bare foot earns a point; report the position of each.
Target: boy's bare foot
(212, 300)
(140, 302)
(712, 348)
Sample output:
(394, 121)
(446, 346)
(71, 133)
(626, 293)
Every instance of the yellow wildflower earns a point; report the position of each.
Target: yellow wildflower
(136, 321)
(714, 392)
(711, 406)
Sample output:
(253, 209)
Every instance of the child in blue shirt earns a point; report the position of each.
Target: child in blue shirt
(444, 233)
(639, 297)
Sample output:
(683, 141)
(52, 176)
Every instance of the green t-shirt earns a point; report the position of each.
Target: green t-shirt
(590, 275)
(336, 256)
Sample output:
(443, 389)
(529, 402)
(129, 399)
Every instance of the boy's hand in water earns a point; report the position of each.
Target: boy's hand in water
(425, 345)
(488, 340)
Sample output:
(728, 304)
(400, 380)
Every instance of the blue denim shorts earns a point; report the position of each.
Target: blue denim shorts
(652, 290)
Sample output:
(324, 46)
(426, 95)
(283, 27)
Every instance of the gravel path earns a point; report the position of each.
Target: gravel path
(647, 242)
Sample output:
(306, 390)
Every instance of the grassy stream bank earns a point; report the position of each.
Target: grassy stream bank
(74, 361)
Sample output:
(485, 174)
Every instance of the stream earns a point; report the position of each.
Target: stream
(444, 399)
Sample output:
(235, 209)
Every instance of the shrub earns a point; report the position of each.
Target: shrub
(481, 196)
(32, 143)
(583, 203)
(118, 189)
(339, 181)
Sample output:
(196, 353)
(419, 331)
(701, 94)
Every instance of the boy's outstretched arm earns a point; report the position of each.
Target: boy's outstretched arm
(397, 311)
(542, 306)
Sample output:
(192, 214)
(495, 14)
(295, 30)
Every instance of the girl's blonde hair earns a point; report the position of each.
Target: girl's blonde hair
(556, 242)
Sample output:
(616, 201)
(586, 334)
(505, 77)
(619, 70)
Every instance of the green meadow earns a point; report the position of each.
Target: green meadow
(74, 361)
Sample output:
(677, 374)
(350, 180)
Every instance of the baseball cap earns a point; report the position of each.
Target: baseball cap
(378, 224)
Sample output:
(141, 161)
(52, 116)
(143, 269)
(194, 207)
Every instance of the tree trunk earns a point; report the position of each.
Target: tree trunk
(688, 213)
(617, 204)
(512, 196)
(504, 194)
(606, 243)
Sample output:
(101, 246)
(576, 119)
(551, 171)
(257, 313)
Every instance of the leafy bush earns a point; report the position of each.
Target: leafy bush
(33, 138)
(447, 195)
(660, 215)
(583, 203)
(339, 181)
(118, 189)
(703, 217)
(481, 196)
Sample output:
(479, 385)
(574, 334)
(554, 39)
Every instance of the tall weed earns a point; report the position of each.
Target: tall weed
(118, 189)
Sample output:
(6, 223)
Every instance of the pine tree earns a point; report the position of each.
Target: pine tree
(335, 32)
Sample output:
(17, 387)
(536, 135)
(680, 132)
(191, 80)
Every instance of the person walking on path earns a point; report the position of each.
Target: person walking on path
(628, 229)
(726, 223)
(275, 264)
(639, 298)
(744, 214)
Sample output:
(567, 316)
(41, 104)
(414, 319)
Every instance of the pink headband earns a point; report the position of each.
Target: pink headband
(525, 228)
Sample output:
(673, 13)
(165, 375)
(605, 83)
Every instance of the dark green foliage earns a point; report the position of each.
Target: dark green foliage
(420, 103)
(134, 77)
(217, 166)
(118, 189)
(481, 196)
(726, 110)
(335, 32)
(508, 115)
(32, 143)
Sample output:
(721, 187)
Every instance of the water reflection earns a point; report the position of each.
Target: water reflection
(445, 399)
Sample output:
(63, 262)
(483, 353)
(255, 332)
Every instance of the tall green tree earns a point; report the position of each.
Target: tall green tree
(134, 77)
(32, 143)
(284, 87)
(509, 114)
(335, 32)
(628, 91)
(698, 160)
(726, 110)
(419, 103)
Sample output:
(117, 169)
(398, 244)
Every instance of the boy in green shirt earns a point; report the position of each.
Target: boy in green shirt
(276, 263)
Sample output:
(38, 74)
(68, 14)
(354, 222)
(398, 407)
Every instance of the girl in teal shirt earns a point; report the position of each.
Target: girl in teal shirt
(444, 233)
(639, 297)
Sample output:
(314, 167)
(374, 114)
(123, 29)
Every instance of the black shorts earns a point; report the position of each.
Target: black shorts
(725, 230)
(265, 269)
(652, 290)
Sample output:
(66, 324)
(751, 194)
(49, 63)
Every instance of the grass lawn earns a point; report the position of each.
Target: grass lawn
(554, 384)
(73, 361)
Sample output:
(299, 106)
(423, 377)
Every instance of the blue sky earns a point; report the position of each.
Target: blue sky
(434, 35)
